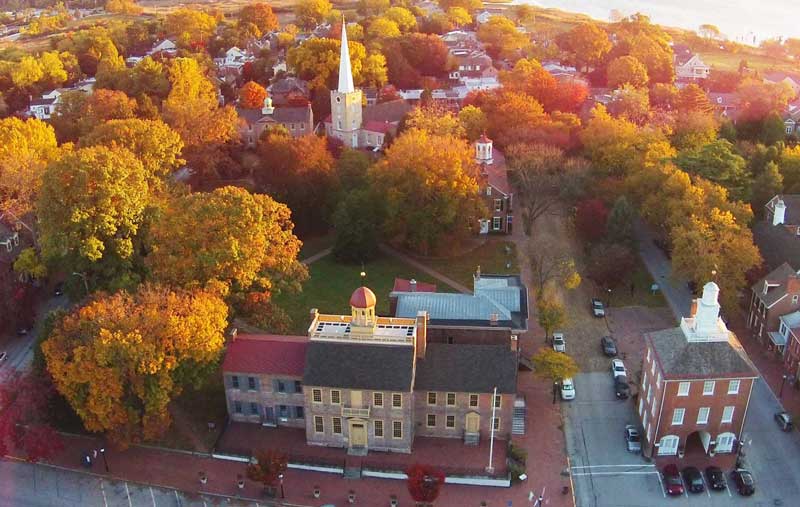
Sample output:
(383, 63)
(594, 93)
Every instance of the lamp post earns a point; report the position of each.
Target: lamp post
(490, 468)
(783, 382)
(280, 478)
(103, 454)
(85, 283)
(608, 301)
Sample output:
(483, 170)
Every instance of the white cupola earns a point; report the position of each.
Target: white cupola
(483, 150)
(705, 325)
(267, 107)
(779, 214)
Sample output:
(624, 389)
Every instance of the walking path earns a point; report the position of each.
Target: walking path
(675, 289)
(317, 256)
(425, 269)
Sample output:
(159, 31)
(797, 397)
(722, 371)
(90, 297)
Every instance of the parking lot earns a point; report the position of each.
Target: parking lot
(605, 474)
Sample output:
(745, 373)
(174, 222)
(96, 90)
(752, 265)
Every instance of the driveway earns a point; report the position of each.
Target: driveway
(604, 474)
(20, 348)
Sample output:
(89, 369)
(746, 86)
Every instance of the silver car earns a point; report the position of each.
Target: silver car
(632, 439)
(559, 344)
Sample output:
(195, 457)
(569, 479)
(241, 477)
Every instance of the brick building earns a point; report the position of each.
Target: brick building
(696, 386)
(494, 188)
(298, 121)
(773, 296)
(365, 382)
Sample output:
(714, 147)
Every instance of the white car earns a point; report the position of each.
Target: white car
(559, 345)
(567, 389)
(618, 368)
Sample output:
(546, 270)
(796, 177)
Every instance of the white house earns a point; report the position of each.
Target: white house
(483, 17)
(165, 46)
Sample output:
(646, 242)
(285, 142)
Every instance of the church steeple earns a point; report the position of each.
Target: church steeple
(345, 70)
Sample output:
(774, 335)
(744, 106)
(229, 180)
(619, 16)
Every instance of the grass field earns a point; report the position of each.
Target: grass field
(330, 285)
(315, 244)
(493, 257)
(641, 296)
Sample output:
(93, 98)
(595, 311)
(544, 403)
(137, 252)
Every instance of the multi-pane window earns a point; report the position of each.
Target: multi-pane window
(397, 429)
(450, 422)
(316, 395)
(431, 420)
(378, 428)
(733, 386)
(702, 415)
(498, 399)
(235, 382)
(251, 383)
(253, 408)
(473, 400)
(377, 399)
(677, 416)
(281, 386)
(451, 399)
(708, 388)
(283, 411)
(237, 407)
(397, 400)
(727, 414)
(337, 425)
(641, 406)
(298, 386)
(431, 398)
(496, 423)
(683, 388)
(336, 396)
(319, 425)
(299, 412)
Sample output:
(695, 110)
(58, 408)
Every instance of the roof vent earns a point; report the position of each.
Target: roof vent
(493, 318)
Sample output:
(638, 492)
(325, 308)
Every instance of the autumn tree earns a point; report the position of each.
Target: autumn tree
(758, 99)
(26, 147)
(459, 16)
(514, 117)
(435, 120)
(261, 15)
(424, 483)
(317, 61)
(692, 98)
(121, 359)
(551, 313)
(402, 17)
(552, 266)
(632, 104)
(79, 113)
(501, 37)
(473, 121)
(383, 28)
(626, 70)
(620, 222)
(694, 129)
(266, 468)
(310, 13)
(714, 246)
(412, 56)
(153, 142)
(609, 264)
(24, 424)
(228, 235)
(90, 207)
(590, 219)
(252, 95)
(128, 7)
(190, 27)
(369, 8)
(586, 44)
(301, 173)
(429, 188)
(554, 366)
(718, 162)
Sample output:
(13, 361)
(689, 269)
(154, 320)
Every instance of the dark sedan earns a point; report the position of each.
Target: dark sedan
(621, 388)
(715, 478)
(672, 480)
(743, 480)
(609, 346)
(693, 480)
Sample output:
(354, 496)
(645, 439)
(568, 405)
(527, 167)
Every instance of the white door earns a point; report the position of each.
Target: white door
(484, 227)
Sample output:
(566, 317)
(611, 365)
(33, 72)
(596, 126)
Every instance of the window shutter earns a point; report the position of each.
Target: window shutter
(502, 204)
(258, 384)
(228, 381)
(290, 386)
(274, 385)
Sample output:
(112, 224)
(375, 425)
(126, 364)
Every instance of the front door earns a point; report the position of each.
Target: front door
(358, 434)
(355, 399)
(484, 226)
(472, 423)
(269, 416)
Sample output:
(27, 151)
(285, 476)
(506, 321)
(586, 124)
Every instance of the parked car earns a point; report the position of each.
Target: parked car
(672, 480)
(59, 289)
(693, 480)
(632, 440)
(559, 345)
(598, 310)
(715, 478)
(22, 331)
(621, 388)
(618, 368)
(609, 346)
(3, 356)
(567, 389)
(743, 480)
(784, 421)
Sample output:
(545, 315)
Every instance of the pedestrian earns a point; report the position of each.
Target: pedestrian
(95, 454)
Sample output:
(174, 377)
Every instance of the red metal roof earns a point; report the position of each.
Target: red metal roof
(403, 285)
(267, 354)
(380, 127)
(363, 297)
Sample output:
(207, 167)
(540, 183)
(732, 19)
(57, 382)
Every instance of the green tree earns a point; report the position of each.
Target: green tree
(619, 225)
(766, 185)
(718, 162)
(357, 232)
(626, 70)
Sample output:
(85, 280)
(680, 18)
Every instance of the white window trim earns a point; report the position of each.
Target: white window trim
(675, 412)
(729, 419)
(401, 430)
(428, 420)
(733, 382)
(709, 392)
(401, 401)
(681, 391)
(700, 412)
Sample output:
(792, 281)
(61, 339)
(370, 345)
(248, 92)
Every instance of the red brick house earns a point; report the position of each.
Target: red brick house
(773, 296)
(494, 188)
(695, 388)
(789, 329)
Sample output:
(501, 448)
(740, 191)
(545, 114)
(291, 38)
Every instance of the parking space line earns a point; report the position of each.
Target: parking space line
(103, 491)
(639, 465)
(727, 488)
(685, 489)
(612, 473)
(661, 483)
(127, 492)
(705, 486)
(153, 497)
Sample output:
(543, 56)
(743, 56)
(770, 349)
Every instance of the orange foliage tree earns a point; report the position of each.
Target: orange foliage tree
(121, 359)
(252, 95)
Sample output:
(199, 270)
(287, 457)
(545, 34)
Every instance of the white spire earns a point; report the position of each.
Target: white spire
(345, 72)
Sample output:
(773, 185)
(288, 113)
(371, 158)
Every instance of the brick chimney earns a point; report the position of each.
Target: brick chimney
(514, 342)
(421, 345)
(779, 213)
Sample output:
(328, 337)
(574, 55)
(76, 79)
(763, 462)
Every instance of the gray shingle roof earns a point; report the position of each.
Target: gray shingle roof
(359, 366)
(680, 358)
(391, 111)
(777, 244)
(467, 368)
(791, 215)
(780, 276)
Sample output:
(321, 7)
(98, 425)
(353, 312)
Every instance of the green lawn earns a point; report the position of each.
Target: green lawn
(641, 296)
(493, 257)
(315, 244)
(330, 285)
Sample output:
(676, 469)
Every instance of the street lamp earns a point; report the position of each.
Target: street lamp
(280, 478)
(783, 382)
(85, 283)
(103, 454)
(608, 301)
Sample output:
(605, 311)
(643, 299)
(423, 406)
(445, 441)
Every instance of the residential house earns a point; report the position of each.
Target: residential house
(372, 383)
(778, 234)
(44, 107)
(461, 39)
(727, 104)
(235, 59)
(789, 330)
(495, 189)
(299, 121)
(772, 297)
(695, 388)
(287, 88)
(264, 379)
(483, 17)
(166, 47)
(688, 65)
(791, 117)
(790, 80)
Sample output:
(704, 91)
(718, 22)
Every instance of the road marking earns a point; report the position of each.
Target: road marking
(727, 488)
(153, 497)
(177, 498)
(685, 489)
(661, 483)
(127, 492)
(613, 473)
(638, 465)
(103, 490)
(705, 486)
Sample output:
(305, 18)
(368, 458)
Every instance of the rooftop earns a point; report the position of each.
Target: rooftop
(403, 285)
(792, 212)
(387, 330)
(359, 366)
(777, 244)
(779, 282)
(467, 368)
(680, 358)
(266, 354)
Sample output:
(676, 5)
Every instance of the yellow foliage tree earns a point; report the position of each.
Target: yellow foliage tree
(121, 359)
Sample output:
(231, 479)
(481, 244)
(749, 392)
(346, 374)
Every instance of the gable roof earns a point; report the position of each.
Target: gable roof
(467, 368)
(266, 354)
(777, 244)
(497, 173)
(680, 358)
(782, 280)
(777, 77)
(390, 111)
(359, 366)
(791, 215)
(289, 84)
(682, 52)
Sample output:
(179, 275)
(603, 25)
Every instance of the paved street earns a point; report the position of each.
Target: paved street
(20, 348)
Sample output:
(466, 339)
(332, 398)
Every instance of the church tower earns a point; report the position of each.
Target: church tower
(346, 100)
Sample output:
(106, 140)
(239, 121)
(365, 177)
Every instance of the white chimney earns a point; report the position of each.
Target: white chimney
(267, 107)
(413, 284)
(779, 214)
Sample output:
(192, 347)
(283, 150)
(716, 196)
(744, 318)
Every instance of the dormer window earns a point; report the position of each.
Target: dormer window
(794, 299)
